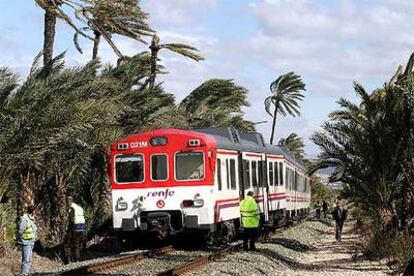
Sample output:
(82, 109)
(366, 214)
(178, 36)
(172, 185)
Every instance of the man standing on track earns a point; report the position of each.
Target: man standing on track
(250, 219)
(75, 231)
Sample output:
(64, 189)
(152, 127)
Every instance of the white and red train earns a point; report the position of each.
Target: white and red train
(169, 181)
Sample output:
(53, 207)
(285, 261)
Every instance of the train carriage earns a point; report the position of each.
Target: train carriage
(169, 181)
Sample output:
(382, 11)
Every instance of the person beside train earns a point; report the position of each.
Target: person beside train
(75, 231)
(339, 215)
(27, 233)
(250, 218)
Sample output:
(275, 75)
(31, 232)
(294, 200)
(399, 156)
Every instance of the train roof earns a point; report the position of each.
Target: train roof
(231, 139)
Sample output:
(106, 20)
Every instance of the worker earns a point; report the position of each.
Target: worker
(339, 214)
(27, 236)
(250, 216)
(325, 207)
(74, 235)
(318, 209)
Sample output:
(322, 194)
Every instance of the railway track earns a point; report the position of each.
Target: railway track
(191, 265)
(200, 261)
(108, 264)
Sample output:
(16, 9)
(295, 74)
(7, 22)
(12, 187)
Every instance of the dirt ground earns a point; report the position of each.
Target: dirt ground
(337, 258)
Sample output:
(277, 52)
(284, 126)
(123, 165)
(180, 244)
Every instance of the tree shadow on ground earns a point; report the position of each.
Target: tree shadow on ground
(329, 265)
(290, 244)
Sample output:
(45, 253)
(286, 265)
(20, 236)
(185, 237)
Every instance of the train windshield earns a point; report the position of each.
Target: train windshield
(129, 168)
(189, 166)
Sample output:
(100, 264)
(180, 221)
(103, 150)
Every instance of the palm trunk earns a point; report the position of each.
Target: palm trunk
(154, 57)
(273, 125)
(96, 44)
(59, 212)
(49, 36)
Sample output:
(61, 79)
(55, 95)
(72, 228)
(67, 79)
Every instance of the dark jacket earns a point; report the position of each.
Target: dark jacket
(339, 214)
(325, 206)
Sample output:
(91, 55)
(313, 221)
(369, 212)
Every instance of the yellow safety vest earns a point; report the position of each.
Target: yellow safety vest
(28, 231)
(78, 216)
(250, 213)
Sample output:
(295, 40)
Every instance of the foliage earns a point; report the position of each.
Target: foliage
(217, 103)
(371, 145)
(286, 93)
(105, 17)
(179, 48)
(295, 144)
(320, 191)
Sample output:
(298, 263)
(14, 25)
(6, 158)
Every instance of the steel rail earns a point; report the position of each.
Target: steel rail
(200, 261)
(135, 257)
(197, 263)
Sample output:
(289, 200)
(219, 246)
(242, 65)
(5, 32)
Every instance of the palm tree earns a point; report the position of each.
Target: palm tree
(123, 17)
(286, 92)
(103, 17)
(49, 28)
(182, 49)
(295, 144)
(219, 103)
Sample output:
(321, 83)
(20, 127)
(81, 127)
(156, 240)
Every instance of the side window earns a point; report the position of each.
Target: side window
(271, 174)
(159, 167)
(228, 174)
(247, 174)
(233, 174)
(282, 178)
(219, 174)
(254, 173)
(276, 166)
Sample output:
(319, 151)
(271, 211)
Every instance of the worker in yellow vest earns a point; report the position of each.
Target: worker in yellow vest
(250, 219)
(74, 235)
(27, 237)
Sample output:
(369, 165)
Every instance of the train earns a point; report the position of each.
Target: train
(171, 181)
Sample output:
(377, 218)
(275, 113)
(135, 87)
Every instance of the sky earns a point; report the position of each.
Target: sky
(329, 43)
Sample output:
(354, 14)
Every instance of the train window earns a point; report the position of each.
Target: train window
(271, 174)
(282, 178)
(247, 174)
(219, 174)
(254, 173)
(129, 168)
(159, 167)
(228, 174)
(189, 166)
(276, 170)
(233, 174)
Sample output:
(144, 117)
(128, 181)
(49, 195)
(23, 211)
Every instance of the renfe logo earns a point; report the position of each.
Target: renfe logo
(142, 144)
(167, 193)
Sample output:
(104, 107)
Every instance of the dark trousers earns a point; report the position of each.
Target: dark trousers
(249, 238)
(73, 246)
(338, 230)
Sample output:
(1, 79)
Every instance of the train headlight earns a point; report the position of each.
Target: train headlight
(198, 203)
(121, 205)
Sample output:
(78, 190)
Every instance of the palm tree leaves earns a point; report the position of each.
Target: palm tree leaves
(286, 91)
(217, 102)
(295, 145)
(184, 50)
(369, 145)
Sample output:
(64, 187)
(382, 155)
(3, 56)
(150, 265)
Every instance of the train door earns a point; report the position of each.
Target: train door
(263, 185)
(254, 179)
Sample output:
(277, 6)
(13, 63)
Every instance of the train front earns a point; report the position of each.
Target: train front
(162, 182)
